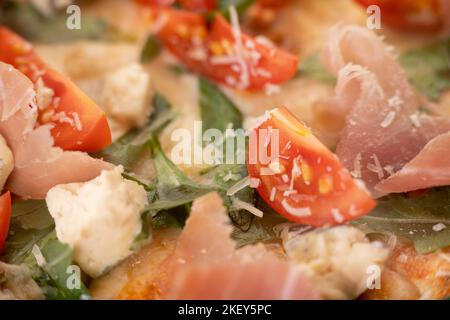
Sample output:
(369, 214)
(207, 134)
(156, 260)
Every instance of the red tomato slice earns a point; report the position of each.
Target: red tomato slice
(304, 181)
(198, 5)
(416, 15)
(223, 53)
(5, 217)
(265, 63)
(182, 32)
(79, 124)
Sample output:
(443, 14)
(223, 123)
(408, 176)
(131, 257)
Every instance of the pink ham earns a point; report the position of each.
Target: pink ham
(38, 165)
(206, 265)
(383, 130)
(263, 279)
(430, 168)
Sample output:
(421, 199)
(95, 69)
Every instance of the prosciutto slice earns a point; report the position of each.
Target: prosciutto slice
(206, 265)
(38, 165)
(383, 130)
(430, 168)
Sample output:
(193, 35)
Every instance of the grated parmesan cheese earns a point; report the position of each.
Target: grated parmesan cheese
(352, 211)
(236, 30)
(276, 167)
(337, 216)
(77, 121)
(395, 102)
(439, 227)
(264, 41)
(389, 169)
(356, 173)
(230, 176)
(62, 117)
(241, 184)
(242, 205)
(254, 182)
(40, 259)
(388, 119)
(225, 60)
(249, 44)
(44, 95)
(298, 212)
(295, 173)
(273, 193)
(415, 120)
(376, 167)
(263, 73)
(288, 145)
(287, 193)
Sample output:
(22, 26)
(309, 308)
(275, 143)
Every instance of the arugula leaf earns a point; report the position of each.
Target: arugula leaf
(313, 68)
(212, 103)
(263, 229)
(53, 276)
(217, 111)
(224, 176)
(31, 214)
(174, 191)
(59, 259)
(172, 218)
(171, 194)
(30, 23)
(151, 49)
(248, 229)
(413, 218)
(32, 225)
(428, 68)
(129, 148)
(173, 188)
(20, 242)
(123, 151)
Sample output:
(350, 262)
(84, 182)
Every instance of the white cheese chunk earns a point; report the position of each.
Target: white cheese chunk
(127, 95)
(6, 162)
(337, 259)
(44, 94)
(99, 219)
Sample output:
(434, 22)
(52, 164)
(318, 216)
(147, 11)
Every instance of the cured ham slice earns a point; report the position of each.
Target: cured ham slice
(383, 129)
(430, 168)
(38, 165)
(206, 265)
(265, 279)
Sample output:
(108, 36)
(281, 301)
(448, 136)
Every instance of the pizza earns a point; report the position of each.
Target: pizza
(238, 150)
